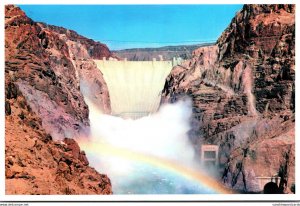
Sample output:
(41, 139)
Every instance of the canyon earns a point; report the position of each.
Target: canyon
(242, 92)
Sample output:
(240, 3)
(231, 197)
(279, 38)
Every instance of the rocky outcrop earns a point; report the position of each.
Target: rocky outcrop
(92, 49)
(46, 63)
(256, 30)
(243, 89)
(264, 36)
(46, 70)
(37, 164)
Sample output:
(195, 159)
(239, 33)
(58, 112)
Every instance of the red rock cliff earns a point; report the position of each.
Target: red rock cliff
(47, 70)
(243, 92)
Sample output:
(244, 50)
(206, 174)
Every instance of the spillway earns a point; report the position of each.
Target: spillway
(134, 86)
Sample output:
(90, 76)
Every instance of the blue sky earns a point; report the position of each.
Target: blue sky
(133, 26)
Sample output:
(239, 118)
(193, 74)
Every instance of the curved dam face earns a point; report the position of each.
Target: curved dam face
(134, 86)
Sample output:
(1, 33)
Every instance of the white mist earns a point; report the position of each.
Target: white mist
(162, 135)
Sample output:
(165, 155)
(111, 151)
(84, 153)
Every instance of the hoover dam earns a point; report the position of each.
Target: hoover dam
(135, 87)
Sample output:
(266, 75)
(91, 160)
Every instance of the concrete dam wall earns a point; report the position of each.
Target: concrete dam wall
(135, 86)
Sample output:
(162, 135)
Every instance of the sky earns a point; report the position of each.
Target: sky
(139, 26)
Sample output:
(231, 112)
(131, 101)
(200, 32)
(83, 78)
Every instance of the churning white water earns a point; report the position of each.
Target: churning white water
(150, 155)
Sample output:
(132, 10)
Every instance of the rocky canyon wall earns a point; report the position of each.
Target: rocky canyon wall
(243, 93)
(47, 71)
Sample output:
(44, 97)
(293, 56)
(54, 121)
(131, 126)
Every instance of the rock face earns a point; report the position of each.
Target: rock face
(49, 66)
(37, 164)
(47, 71)
(243, 92)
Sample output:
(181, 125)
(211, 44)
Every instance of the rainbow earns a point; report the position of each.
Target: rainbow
(168, 165)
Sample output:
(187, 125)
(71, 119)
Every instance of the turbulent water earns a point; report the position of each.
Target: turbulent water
(150, 155)
(151, 180)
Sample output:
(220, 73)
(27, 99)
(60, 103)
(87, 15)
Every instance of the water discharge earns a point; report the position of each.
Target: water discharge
(144, 154)
(150, 155)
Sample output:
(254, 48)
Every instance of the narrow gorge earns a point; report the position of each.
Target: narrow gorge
(79, 119)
